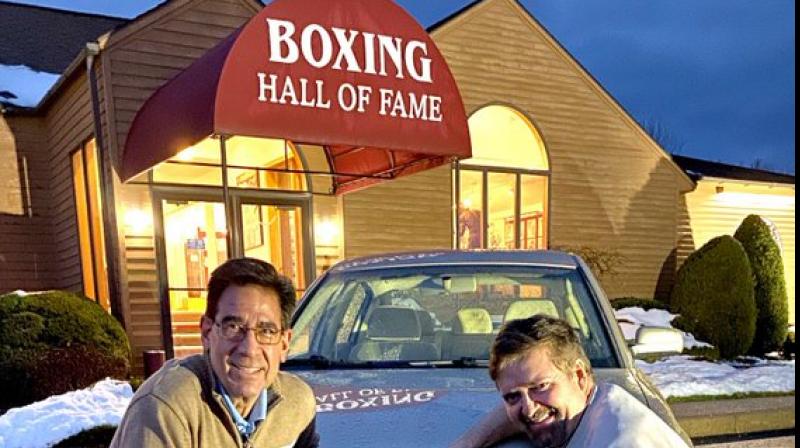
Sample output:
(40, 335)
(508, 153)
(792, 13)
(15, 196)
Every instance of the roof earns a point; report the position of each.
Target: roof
(47, 39)
(457, 257)
(699, 168)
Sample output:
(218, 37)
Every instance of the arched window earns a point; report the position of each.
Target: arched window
(502, 190)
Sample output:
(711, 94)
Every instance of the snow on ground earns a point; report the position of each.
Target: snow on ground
(46, 422)
(630, 319)
(26, 84)
(680, 376)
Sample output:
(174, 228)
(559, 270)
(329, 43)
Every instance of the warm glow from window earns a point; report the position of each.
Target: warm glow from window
(504, 137)
(754, 200)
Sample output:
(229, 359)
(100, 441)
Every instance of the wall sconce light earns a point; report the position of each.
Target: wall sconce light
(720, 189)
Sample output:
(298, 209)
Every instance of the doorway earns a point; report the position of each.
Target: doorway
(192, 240)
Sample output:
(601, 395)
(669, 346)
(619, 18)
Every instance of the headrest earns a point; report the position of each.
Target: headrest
(393, 323)
(474, 321)
(527, 308)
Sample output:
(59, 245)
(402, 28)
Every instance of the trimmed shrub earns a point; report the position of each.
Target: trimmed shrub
(645, 304)
(714, 296)
(770, 286)
(55, 342)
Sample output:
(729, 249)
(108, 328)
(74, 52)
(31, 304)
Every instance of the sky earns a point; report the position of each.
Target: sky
(715, 78)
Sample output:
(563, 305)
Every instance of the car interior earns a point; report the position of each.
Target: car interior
(438, 317)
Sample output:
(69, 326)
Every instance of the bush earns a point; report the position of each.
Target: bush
(602, 262)
(645, 304)
(770, 286)
(714, 296)
(55, 342)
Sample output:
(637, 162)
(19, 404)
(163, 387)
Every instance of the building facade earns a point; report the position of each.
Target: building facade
(556, 163)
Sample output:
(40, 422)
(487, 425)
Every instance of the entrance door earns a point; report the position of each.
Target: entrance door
(274, 233)
(194, 242)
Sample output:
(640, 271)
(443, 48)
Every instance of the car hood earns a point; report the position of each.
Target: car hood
(410, 407)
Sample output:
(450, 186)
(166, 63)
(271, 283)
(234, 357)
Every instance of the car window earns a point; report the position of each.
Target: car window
(439, 313)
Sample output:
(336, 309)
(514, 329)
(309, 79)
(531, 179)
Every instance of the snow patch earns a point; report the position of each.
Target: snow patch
(681, 376)
(630, 319)
(49, 421)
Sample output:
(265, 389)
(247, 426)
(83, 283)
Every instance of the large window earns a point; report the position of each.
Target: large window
(502, 190)
(88, 208)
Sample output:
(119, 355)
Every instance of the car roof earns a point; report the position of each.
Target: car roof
(457, 257)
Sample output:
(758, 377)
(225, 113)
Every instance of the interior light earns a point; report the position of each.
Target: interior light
(187, 154)
(138, 221)
(326, 233)
(467, 203)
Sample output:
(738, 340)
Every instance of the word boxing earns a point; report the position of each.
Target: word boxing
(351, 400)
(376, 54)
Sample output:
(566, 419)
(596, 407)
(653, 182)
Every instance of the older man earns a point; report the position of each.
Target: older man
(549, 394)
(233, 394)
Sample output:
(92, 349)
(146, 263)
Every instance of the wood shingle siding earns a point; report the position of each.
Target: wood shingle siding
(612, 188)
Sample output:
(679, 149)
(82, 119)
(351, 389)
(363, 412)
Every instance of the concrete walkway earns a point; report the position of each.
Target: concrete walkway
(742, 416)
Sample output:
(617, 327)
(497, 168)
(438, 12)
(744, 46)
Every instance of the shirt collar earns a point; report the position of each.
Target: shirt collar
(257, 414)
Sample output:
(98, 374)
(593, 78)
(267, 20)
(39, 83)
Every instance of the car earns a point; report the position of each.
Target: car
(396, 346)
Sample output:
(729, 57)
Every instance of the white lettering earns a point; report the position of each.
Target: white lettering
(369, 55)
(391, 46)
(280, 32)
(288, 91)
(352, 100)
(263, 87)
(306, 41)
(425, 76)
(346, 49)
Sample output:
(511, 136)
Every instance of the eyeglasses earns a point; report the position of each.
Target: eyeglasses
(236, 331)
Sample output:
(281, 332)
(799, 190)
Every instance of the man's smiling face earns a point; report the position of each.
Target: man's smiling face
(542, 400)
(245, 366)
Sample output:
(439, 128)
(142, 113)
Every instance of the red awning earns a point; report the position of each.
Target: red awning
(360, 77)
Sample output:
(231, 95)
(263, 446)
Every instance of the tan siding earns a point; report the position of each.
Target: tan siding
(611, 187)
(409, 213)
(714, 214)
(138, 61)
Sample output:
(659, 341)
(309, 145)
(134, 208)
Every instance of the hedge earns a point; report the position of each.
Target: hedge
(714, 295)
(770, 286)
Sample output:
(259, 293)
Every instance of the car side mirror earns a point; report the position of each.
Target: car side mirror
(657, 340)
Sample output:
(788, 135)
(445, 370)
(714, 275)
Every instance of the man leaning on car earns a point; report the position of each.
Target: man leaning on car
(233, 393)
(549, 394)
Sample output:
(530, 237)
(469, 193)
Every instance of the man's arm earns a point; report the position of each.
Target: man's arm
(149, 422)
(492, 428)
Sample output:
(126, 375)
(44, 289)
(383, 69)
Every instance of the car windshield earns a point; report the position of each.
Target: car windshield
(437, 315)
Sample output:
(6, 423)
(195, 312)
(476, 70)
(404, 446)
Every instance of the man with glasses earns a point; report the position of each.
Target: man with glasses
(233, 394)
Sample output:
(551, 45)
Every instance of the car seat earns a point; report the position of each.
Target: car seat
(521, 309)
(393, 334)
(471, 336)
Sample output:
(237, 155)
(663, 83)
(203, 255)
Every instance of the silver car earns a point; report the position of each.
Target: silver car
(396, 346)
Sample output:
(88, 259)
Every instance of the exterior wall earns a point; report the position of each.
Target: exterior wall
(612, 188)
(713, 214)
(26, 237)
(70, 124)
(137, 61)
(409, 213)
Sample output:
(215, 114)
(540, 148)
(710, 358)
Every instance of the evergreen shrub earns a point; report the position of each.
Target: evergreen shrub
(714, 295)
(55, 342)
(770, 286)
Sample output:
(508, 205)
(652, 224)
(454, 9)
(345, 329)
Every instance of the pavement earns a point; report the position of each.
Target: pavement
(704, 419)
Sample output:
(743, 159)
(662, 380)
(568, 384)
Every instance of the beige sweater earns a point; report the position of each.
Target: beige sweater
(179, 407)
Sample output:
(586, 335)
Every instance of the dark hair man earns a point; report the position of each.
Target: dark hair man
(549, 394)
(233, 394)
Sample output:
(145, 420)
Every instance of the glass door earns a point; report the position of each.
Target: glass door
(275, 233)
(194, 244)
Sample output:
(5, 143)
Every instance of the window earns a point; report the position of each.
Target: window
(88, 207)
(502, 190)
